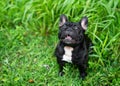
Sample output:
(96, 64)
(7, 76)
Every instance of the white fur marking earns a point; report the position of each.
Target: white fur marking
(68, 54)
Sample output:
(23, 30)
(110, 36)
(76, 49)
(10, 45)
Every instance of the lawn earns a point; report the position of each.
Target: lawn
(28, 36)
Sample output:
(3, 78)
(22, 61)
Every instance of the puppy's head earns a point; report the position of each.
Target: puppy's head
(71, 32)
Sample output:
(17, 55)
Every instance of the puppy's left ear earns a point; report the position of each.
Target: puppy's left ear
(63, 20)
(84, 23)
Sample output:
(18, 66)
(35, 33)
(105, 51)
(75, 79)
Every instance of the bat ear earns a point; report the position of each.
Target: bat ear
(63, 20)
(84, 23)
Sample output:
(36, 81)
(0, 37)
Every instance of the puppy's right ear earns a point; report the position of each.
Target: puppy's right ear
(63, 20)
(84, 23)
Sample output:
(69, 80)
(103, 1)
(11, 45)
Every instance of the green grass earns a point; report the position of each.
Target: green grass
(28, 36)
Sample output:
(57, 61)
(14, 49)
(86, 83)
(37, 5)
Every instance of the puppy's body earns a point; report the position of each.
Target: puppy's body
(73, 45)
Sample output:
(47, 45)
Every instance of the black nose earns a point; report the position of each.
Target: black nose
(69, 33)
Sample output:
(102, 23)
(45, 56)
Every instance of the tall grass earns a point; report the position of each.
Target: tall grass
(28, 35)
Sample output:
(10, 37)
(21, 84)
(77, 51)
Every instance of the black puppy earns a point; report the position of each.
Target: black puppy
(74, 44)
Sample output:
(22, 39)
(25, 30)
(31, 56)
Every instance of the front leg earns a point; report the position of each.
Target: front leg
(61, 66)
(59, 51)
(82, 70)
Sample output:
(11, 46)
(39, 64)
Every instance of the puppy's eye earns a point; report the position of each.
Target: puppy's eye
(76, 28)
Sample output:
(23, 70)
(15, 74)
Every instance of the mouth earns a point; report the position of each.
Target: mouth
(68, 40)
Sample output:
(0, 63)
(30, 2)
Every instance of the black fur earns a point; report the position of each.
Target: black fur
(73, 35)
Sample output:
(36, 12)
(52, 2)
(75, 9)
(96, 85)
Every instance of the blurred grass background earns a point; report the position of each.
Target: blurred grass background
(28, 36)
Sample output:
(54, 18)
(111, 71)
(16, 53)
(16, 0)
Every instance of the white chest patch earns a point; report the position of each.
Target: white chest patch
(68, 54)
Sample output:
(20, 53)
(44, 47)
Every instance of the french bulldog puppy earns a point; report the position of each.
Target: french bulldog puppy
(74, 44)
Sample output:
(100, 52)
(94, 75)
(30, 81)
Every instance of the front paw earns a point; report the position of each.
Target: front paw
(83, 75)
(61, 73)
